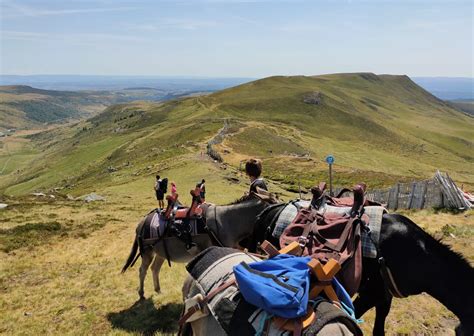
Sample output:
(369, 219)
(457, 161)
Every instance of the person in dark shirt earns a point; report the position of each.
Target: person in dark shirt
(160, 194)
(253, 168)
(202, 186)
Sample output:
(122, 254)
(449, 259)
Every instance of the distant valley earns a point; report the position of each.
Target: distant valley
(26, 107)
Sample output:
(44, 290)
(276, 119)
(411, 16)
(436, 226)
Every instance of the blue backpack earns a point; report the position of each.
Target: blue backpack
(279, 285)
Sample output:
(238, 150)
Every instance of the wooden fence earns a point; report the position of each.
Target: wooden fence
(438, 192)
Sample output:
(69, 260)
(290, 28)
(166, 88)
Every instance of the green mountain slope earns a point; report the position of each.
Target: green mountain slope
(381, 129)
(465, 105)
(25, 107)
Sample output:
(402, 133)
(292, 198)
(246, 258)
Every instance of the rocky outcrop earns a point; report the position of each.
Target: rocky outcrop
(314, 98)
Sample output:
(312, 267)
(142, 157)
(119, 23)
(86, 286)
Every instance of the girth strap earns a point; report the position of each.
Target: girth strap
(389, 280)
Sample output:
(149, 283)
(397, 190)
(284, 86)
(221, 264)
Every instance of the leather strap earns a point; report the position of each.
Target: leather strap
(298, 325)
(208, 298)
(342, 239)
(389, 280)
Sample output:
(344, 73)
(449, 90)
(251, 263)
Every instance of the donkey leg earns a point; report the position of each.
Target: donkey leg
(147, 257)
(381, 311)
(155, 268)
(363, 303)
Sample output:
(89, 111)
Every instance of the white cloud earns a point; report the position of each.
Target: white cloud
(73, 38)
(10, 9)
(172, 23)
(300, 27)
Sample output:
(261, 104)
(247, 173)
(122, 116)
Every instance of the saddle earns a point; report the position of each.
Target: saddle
(325, 235)
(176, 220)
(321, 198)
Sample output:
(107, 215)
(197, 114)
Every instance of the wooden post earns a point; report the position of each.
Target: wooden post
(423, 195)
(299, 187)
(396, 192)
(412, 195)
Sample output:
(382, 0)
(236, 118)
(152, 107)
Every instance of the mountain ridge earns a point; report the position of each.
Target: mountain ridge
(381, 128)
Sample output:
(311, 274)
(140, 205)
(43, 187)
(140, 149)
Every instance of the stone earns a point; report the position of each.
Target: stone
(314, 98)
(93, 197)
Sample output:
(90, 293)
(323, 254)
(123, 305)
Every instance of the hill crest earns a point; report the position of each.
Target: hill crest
(381, 129)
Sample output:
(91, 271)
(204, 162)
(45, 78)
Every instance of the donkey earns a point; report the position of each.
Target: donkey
(329, 321)
(417, 263)
(227, 226)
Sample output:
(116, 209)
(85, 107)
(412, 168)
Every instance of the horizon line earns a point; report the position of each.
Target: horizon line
(224, 77)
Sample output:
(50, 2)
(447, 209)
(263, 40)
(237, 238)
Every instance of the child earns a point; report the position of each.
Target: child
(253, 168)
(173, 189)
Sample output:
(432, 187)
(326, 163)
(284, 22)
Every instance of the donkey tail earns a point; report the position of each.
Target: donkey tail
(131, 257)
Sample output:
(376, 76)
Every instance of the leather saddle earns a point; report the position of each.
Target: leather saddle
(330, 235)
(176, 211)
(321, 198)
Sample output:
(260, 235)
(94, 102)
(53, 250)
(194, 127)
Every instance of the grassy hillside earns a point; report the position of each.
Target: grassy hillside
(61, 274)
(381, 129)
(27, 107)
(466, 105)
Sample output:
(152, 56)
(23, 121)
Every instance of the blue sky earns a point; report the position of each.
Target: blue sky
(241, 38)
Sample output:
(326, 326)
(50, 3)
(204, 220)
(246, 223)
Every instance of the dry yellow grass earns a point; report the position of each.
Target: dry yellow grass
(71, 284)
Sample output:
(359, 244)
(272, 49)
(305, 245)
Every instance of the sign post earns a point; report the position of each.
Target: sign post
(330, 161)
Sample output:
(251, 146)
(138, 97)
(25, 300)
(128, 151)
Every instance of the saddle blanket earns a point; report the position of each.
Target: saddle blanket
(287, 215)
(157, 225)
(375, 214)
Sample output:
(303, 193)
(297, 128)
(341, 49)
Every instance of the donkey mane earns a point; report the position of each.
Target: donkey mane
(242, 199)
(441, 247)
(450, 253)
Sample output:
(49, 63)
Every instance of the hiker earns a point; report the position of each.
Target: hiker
(253, 169)
(202, 186)
(160, 191)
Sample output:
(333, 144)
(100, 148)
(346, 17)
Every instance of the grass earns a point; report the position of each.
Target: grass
(60, 259)
(71, 285)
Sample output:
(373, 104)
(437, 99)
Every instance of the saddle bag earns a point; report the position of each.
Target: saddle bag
(326, 236)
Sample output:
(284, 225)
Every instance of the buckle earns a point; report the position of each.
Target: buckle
(302, 241)
(198, 306)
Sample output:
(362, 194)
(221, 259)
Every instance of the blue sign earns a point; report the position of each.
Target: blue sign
(330, 159)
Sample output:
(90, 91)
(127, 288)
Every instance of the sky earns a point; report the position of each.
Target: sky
(236, 38)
